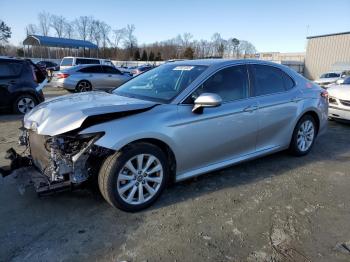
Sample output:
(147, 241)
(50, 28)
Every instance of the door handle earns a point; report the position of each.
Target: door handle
(109, 75)
(295, 99)
(250, 108)
(12, 82)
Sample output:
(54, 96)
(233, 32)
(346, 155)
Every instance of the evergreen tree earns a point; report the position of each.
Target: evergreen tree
(137, 55)
(151, 56)
(158, 57)
(189, 53)
(144, 56)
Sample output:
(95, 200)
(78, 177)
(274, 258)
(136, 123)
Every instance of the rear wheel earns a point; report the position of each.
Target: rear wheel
(24, 103)
(84, 86)
(133, 178)
(303, 136)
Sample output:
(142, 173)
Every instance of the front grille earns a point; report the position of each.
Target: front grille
(345, 102)
(38, 151)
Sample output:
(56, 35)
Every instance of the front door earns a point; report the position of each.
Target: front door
(221, 133)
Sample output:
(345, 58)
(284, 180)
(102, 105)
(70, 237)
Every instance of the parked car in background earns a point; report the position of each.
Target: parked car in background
(84, 78)
(141, 69)
(19, 81)
(328, 79)
(70, 61)
(48, 65)
(172, 123)
(339, 100)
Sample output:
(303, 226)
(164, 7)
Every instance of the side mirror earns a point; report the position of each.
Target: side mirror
(206, 100)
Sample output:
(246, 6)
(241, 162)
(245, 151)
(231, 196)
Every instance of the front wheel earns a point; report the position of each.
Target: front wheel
(133, 178)
(303, 136)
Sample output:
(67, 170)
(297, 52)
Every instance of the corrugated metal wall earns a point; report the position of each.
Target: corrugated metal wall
(323, 52)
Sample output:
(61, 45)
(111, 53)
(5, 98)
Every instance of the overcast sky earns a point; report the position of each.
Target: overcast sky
(270, 25)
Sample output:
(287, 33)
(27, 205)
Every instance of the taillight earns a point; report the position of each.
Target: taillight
(61, 75)
(324, 94)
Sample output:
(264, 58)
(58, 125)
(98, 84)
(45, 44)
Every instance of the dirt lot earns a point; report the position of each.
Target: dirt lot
(278, 208)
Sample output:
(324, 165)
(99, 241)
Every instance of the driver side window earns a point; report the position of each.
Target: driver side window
(230, 84)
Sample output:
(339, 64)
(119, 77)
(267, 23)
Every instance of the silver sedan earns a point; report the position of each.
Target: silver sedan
(172, 123)
(84, 78)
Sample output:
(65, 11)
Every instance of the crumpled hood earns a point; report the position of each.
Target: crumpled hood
(340, 92)
(66, 113)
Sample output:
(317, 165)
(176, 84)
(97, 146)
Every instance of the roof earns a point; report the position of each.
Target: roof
(221, 61)
(317, 36)
(57, 42)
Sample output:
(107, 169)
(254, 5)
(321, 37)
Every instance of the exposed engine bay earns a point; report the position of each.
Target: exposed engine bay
(58, 162)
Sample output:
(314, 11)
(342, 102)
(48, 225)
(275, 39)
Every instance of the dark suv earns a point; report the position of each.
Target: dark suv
(19, 80)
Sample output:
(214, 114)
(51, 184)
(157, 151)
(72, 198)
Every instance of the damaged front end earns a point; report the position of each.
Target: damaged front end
(57, 162)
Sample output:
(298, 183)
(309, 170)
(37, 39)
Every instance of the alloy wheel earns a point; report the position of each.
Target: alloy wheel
(84, 86)
(25, 104)
(306, 134)
(140, 179)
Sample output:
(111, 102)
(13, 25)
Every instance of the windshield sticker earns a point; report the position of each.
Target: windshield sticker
(183, 68)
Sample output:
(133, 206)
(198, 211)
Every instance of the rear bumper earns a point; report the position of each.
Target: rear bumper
(341, 113)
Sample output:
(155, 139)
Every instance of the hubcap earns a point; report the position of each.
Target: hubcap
(140, 179)
(84, 86)
(306, 135)
(25, 104)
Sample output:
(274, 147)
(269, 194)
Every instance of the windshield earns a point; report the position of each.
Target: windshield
(162, 83)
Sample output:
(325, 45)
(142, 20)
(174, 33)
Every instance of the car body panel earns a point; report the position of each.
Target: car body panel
(201, 142)
(99, 80)
(15, 85)
(339, 102)
(49, 120)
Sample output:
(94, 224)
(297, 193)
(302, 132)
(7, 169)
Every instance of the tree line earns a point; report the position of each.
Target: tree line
(121, 43)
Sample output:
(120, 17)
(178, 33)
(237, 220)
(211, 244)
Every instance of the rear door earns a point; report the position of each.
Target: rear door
(95, 75)
(9, 78)
(278, 101)
(222, 133)
(114, 77)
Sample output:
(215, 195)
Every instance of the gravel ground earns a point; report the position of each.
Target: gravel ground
(277, 208)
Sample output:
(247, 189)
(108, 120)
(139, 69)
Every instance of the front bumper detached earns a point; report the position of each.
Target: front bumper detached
(22, 167)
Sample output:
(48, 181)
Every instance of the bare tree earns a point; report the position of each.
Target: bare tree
(246, 48)
(118, 35)
(104, 31)
(83, 24)
(130, 40)
(186, 37)
(68, 30)
(58, 23)
(31, 29)
(44, 23)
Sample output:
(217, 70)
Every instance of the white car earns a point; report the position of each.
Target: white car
(339, 100)
(328, 79)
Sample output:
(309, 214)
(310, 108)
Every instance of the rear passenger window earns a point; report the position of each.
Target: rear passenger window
(9, 69)
(270, 80)
(288, 82)
(84, 61)
(230, 84)
(92, 69)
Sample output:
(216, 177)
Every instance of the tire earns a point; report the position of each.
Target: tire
(24, 103)
(139, 189)
(84, 86)
(304, 136)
